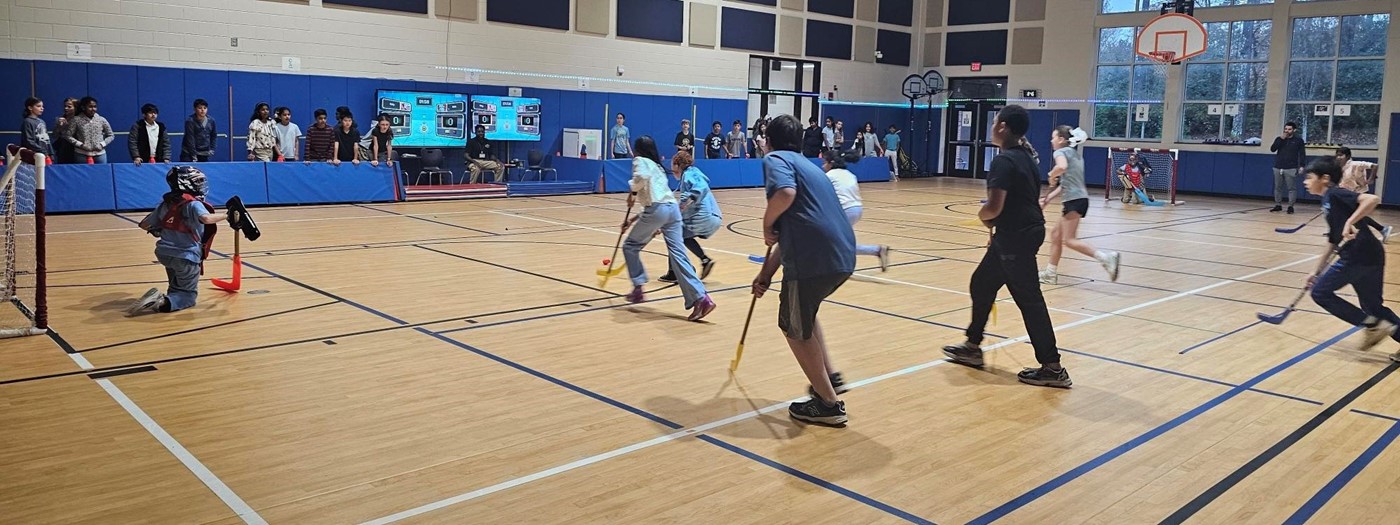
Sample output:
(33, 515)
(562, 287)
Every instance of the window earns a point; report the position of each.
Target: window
(1225, 87)
(1128, 6)
(1126, 84)
(1335, 75)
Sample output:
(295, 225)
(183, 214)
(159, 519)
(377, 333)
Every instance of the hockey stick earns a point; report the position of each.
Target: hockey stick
(237, 281)
(739, 352)
(1278, 319)
(1300, 226)
(612, 262)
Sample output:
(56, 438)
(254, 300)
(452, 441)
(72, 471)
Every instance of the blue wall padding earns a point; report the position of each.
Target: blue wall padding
(298, 183)
(79, 187)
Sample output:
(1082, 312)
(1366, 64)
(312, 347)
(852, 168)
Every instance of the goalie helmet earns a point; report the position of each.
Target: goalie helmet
(187, 179)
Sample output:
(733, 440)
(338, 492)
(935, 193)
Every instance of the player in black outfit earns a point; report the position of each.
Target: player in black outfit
(1013, 213)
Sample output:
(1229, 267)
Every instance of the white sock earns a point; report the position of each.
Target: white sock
(1101, 255)
(1050, 268)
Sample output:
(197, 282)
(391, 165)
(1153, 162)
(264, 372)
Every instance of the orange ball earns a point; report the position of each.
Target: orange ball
(607, 261)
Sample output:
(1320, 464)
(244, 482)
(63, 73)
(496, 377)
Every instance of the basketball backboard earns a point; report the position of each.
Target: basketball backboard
(1171, 38)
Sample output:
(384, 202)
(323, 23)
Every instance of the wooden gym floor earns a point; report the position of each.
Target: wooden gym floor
(457, 362)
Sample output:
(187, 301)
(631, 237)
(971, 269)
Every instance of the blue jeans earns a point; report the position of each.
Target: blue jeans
(665, 217)
(853, 216)
(98, 159)
(184, 281)
(1366, 280)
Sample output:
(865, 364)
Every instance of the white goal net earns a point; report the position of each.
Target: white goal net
(22, 220)
(1155, 170)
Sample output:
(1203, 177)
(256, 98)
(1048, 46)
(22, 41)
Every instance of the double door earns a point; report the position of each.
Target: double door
(969, 148)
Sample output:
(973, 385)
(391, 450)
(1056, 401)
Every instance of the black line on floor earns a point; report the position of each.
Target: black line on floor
(122, 372)
(425, 219)
(1234, 478)
(202, 328)
(504, 267)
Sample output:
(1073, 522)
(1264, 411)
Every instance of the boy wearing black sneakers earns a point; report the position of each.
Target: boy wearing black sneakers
(1360, 261)
(1013, 213)
(817, 249)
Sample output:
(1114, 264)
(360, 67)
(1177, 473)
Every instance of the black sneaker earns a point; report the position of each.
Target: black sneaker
(817, 411)
(1276, 209)
(1045, 377)
(837, 382)
(1290, 210)
(670, 277)
(964, 354)
(705, 267)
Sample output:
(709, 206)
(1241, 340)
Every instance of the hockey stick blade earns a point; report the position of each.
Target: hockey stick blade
(1274, 319)
(1300, 226)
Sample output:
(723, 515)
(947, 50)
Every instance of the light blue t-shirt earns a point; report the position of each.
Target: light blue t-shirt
(1072, 180)
(892, 142)
(621, 138)
(179, 244)
(699, 204)
(816, 238)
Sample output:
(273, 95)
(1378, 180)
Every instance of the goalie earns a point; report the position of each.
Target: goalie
(184, 225)
(1133, 174)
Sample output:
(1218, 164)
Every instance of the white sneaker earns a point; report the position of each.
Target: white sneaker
(1375, 334)
(1110, 264)
(1385, 234)
(149, 301)
(1048, 276)
(884, 258)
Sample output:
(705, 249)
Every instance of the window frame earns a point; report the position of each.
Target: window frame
(1156, 109)
(1336, 59)
(1225, 61)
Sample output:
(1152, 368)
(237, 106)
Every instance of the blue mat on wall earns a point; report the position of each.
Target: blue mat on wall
(141, 187)
(297, 183)
(81, 187)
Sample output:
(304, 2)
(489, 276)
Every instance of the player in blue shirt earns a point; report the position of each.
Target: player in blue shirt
(815, 245)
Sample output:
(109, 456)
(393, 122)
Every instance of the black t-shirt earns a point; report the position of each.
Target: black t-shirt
(1365, 249)
(812, 140)
(383, 138)
(347, 142)
(1013, 170)
(714, 146)
(685, 142)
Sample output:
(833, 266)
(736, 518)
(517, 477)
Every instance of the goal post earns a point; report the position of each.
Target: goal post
(25, 285)
(1160, 181)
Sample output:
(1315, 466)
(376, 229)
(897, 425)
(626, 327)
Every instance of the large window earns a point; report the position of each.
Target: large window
(1225, 87)
(1335, 75)
(1128, 6)
(1125, 86)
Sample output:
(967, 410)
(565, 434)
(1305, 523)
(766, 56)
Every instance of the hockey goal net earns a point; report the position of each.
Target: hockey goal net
(22, 217)
(1156, 167)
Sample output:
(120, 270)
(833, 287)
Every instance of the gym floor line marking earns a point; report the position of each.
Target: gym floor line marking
(600, 230)
(1203, 500)
(1219, 337)
(1102, 459)
(485, 491)
(1006, 300)
(1320, 499)
(216, 485)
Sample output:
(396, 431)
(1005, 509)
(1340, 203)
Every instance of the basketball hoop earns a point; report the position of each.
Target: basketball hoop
(1171, 38)
(1165, 57)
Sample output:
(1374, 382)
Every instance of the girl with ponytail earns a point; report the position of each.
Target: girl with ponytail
(1067, 179)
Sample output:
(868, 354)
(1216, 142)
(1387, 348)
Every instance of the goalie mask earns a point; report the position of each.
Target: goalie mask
(187, 179)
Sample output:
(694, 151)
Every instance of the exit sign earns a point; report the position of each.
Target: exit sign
(976, 66)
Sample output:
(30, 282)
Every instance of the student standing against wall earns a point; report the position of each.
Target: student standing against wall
(147, 139)
(621, 139)
(201, 133)
(91, 133)
(262, 139)
(320, 139)
(34, 135)
(288, 134)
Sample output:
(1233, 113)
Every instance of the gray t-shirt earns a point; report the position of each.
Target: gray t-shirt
(1072, 180)
(736, 141)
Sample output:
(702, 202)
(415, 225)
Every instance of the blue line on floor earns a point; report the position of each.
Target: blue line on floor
(1219, 337)
(1320, 499)
(817, 481)
(1185, 375)
(1102, 459)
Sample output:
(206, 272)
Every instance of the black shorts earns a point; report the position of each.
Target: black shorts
(799, 300)
(1079, 205)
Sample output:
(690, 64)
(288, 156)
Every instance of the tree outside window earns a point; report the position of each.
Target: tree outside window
(1335, 75)
(1223, 99)
(1124, 81)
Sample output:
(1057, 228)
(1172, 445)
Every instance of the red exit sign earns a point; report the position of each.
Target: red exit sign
(976, 66)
